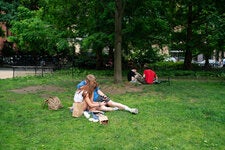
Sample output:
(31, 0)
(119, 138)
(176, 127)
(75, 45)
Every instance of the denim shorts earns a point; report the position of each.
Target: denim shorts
(101, 99)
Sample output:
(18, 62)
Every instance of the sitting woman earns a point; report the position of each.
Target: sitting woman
(131, 75)
(83, 100)
(135, 77)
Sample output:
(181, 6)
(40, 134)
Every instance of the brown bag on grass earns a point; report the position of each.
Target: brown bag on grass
(77, 109)
(103, 119)
(53, 103)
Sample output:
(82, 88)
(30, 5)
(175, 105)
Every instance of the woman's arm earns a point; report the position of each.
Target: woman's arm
(101, 93)
(91, 103)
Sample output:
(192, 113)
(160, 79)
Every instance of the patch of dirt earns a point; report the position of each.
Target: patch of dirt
(112, 89)
(35, 89)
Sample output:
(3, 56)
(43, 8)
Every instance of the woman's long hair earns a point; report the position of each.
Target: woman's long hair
(89, 88)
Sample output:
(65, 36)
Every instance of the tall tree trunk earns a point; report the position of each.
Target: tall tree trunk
(118, 42)
(188, 53)
(99, 58)
(208, 53)
(207, 65)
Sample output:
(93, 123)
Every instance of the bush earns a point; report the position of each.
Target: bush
(85, 61)
(167, 66)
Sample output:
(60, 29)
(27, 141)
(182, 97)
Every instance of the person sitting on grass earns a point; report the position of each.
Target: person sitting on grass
(149, 75)
(99, 96)
(134, 77)
(85, 94)
(84, 104)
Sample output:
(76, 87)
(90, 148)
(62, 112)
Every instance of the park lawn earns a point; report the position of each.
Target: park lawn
(188, 114)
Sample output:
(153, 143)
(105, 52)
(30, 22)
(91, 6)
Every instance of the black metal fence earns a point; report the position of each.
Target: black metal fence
(31, 70)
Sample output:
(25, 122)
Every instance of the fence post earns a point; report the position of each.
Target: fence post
(35, 70)
(42, 71)
(13, 71)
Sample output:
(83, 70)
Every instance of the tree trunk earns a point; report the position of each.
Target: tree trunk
(118, 42)
(188, 53)
(99, 58)
(207, 65)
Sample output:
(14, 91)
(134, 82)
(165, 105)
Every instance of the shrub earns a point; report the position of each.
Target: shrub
(167, 66)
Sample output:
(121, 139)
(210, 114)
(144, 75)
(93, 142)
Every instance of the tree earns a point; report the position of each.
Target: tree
(31, 34)
(98, 26)
(118, 41)
(145, 26)
(197, 23)
(188, 52)
(131, 27)
(2, 33)
(7, 13)
(91, 21)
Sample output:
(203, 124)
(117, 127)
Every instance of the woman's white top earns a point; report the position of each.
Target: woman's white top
(78, 96)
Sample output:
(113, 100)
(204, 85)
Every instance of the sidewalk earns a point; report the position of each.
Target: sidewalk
(6, 73)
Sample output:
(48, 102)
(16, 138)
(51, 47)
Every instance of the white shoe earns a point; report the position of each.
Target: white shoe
(115, 108)
(134, 111)
(86, 114)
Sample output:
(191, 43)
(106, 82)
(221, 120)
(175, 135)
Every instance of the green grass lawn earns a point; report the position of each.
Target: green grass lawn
(187, 115)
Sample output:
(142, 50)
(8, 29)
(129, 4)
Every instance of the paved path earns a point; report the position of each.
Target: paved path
(6, 73)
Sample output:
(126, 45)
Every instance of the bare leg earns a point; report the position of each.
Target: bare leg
(122, 107)
(112, 106)
(104, 108)
(115, 104)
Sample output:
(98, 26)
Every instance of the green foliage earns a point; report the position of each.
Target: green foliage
(196, 26)
(33, 34)
(44, 26)
(143, 27)
(96, 27)
(166, 65)
(96, 40)
(8, 49)
(8, 11)
(171, 69)
(85, 60)
(142, 56)
(179, 116)
(2, 33)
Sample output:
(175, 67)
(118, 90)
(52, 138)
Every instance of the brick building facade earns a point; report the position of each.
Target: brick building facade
(3, 39)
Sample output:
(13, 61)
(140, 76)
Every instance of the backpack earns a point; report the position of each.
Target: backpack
(53, 103)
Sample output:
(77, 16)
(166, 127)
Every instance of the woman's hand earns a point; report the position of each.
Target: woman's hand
(102, 103)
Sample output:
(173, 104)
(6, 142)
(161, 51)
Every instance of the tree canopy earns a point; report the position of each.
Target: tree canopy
(131, 29)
